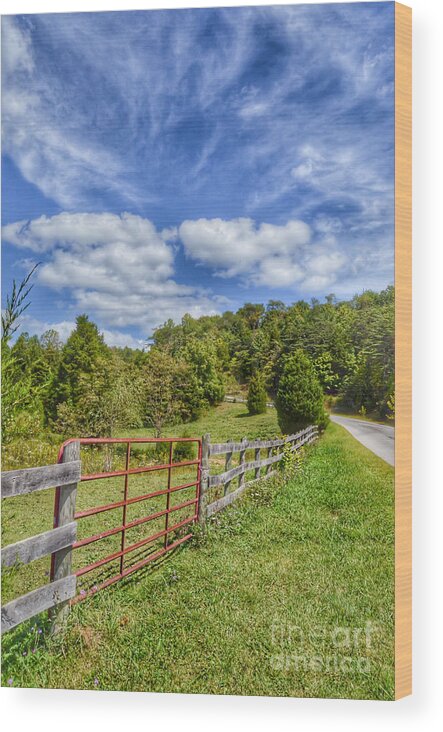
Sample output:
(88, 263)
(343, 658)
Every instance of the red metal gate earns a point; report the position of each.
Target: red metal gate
(151, 466)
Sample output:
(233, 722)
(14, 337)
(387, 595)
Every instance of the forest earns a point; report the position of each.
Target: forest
(338, 352)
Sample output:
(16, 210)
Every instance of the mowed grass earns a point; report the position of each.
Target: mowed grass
(228, 421)
(290, 593)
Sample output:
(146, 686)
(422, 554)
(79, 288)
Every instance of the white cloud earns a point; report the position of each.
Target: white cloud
(121, 340)
(238, 246)
(268, 254)
(37, 327)
(65, 327)
(118, 268)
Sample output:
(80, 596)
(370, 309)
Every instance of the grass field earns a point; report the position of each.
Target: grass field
(289, 593)
(31, 514)
(228, 421)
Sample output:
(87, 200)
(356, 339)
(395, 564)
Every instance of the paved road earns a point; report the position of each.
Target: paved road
(379, 438)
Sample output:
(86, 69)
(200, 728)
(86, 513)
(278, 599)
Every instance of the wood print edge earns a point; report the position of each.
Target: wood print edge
(403, 351)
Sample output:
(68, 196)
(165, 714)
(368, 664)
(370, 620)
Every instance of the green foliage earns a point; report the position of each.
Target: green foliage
(324, 369)
(369, 380)
(203, 357)
(257, 397)
(21, 405)
(390, 403)
(107, 398)
(291, 460)
(81, 369)
(86, 388)
(171, 391)
(299, 399)
(185, 451)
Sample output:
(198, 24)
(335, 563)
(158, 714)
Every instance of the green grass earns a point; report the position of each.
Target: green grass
(274, 600)
(364, 418)
(32, 514)
(228, 421)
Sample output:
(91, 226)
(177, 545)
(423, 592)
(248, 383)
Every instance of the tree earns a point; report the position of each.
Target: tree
(84, 355)
(324, 369)
(257, 394)
(109, 399)
(29, 357)
(299, 399)
(370, 377)
(21, 406)
(52, 348)
(203, 358)
(170, 389)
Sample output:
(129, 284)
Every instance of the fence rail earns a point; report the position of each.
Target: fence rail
(60, 541)
(239, 400)
(28, 480)
(20, 482)
(224, 479)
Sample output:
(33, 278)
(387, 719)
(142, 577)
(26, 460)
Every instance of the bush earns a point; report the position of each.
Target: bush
(299, 399)
(184, 451)
(257, 395)
(291, 460)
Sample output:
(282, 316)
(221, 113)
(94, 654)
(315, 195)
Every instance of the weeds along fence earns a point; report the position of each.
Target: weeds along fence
(216, 488)
(217, 484)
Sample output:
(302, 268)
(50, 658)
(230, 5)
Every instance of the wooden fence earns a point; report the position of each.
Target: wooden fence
(261, 466)
(57, 542)
(239, 400)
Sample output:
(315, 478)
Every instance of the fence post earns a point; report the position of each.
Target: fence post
(269, 454)
(62, 560)
(257, 457)
(241, 477)
(228, 466)
(204, 479)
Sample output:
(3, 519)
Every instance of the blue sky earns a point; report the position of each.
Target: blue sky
(164, 162)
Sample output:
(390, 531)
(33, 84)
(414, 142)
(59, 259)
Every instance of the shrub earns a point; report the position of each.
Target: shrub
(184, 451)
(299, 399)
(291, 460)
(257, 395)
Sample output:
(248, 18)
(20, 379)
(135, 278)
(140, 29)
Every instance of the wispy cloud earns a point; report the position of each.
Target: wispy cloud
(262, 115)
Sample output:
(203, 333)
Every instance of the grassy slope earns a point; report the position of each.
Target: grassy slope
(225, 422)
(268, 587)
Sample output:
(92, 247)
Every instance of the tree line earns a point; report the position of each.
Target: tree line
(303, 356)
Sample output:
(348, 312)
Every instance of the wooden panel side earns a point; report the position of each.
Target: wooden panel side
(403, 351)
(27, 480)
(25, 607)
(28, 550)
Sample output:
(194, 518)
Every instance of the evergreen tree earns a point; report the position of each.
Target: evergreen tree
(299, 399)
(84, 357)
(171, 391)
(257, 394)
